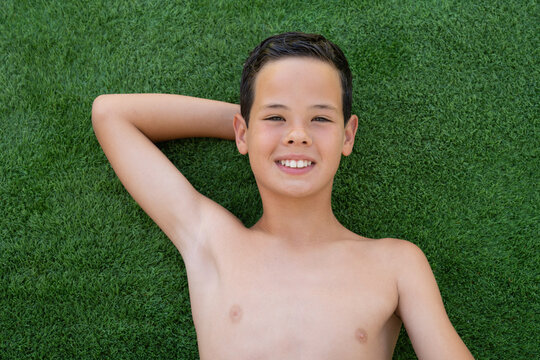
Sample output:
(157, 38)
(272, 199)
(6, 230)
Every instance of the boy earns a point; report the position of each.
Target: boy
(296, 285)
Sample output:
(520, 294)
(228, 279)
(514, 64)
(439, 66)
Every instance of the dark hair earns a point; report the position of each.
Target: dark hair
(294, 44)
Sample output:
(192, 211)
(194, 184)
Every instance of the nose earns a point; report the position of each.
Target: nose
(297, 136)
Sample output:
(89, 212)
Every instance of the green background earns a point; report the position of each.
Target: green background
(446, 157)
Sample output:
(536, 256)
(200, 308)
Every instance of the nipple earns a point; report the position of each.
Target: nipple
(235, 313)
(361, 335)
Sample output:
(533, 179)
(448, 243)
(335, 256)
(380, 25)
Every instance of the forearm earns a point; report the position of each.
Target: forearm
(165, 117)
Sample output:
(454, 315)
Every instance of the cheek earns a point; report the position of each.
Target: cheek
(331, 142)
(263, 141)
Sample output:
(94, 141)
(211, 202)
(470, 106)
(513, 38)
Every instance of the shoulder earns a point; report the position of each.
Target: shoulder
(402, 251)
(402, 258)
(408, 258)
(410, 267)
(397, 250)
(395, 255)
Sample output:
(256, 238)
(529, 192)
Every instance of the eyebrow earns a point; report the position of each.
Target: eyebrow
(275, 106)
(324, 107)
(316, 106)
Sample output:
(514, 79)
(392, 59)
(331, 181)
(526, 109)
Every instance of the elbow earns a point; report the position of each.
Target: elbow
(102, 109)
(98, 109)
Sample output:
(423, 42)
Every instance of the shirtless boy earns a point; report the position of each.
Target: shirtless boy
(296, 285)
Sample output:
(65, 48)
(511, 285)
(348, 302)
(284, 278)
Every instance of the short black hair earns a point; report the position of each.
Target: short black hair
(294, 44)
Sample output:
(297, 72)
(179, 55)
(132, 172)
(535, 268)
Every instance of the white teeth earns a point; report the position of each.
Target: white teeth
(295, 163)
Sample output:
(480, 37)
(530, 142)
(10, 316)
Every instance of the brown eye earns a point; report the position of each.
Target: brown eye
(275, 118)
(321, 119)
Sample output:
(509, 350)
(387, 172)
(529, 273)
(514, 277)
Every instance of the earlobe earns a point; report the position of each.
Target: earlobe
(350, 133)
(240, 133)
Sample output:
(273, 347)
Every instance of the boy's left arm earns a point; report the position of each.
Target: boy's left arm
(422, 310)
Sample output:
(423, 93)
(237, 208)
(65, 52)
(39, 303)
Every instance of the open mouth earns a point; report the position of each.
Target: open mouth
(295, 164)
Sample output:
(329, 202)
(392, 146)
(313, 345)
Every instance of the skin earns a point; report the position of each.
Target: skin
(297, 285)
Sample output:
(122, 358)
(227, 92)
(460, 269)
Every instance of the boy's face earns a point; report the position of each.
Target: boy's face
(296, 116)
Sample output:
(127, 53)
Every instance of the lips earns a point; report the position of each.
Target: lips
(295, 163)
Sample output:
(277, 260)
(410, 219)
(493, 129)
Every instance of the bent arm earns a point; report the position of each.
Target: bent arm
(126, 127)
(163, 117)
(422, 310)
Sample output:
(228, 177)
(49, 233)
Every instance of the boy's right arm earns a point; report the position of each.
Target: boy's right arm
(127, 126)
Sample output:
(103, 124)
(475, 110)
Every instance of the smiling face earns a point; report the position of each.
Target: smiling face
(296, 134)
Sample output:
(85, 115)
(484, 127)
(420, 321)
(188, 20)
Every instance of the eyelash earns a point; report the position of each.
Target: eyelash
(279, 118)
(275, 118)
(321, 119)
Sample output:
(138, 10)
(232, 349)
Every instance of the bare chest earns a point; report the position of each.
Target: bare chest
(320, 306)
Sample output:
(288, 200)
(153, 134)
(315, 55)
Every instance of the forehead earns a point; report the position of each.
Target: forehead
(299, 81)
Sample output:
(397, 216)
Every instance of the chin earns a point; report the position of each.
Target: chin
(292, 191)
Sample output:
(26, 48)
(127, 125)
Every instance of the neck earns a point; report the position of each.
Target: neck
(299, 221)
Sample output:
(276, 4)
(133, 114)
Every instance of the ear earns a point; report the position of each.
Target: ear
(240, 133)
(350, 133)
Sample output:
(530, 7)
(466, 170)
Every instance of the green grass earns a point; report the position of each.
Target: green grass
(447, 157)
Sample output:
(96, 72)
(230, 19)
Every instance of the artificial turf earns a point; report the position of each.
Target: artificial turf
(446, 156)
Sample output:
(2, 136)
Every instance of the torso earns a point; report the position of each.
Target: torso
(253, 298)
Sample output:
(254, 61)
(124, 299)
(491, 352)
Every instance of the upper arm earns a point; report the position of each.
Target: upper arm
(152, 180)
(422, 310)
